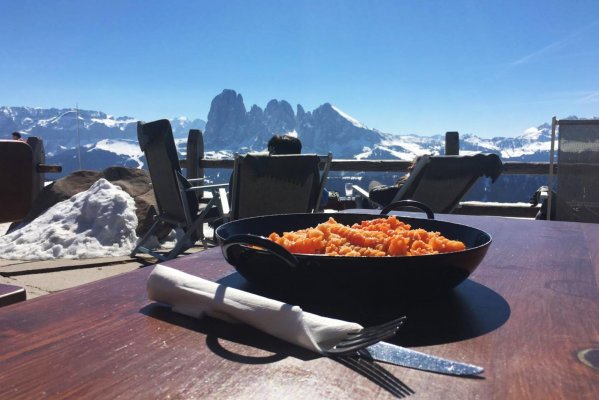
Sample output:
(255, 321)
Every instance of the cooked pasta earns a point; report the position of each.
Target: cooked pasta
(372, 238)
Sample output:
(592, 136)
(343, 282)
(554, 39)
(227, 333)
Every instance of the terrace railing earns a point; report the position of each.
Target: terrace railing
(195, 151)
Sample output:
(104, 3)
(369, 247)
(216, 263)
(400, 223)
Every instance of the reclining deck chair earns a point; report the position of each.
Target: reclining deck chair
(441, 182)
(178, 205)
(277, 184)
(576, 197)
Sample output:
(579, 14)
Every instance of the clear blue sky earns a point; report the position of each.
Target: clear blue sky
(491, 68)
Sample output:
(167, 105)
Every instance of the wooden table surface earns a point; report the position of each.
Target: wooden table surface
(529, 315)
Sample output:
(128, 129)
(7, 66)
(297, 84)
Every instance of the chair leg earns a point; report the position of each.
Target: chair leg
(140, 248)
(154, 254)
(199, 222)
(145, 237)
(180, 245)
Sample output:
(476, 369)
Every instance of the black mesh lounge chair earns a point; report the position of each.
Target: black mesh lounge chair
(576, 196)
(178, 205)
(441, 182)
(277, 184)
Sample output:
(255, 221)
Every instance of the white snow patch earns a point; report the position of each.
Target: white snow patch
(99, 222)
(111, 122)
(366, 152)
(532, 134)
(128, 148)
(351, 119)
(483, 143)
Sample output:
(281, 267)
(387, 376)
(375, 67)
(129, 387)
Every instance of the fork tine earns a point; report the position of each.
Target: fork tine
(366, 337)
(376, 374)
(358, 342)
(376, 330)
(396, 323)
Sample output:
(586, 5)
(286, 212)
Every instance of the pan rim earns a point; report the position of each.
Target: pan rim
(487, 241)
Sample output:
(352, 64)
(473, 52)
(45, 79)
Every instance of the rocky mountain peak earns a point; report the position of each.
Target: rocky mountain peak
(279, 117)
(256, 112)
(225, 106)
(227, 119)
(325, 129)
(300, 113)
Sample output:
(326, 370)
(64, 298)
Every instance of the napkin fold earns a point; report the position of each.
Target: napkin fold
(195, 297)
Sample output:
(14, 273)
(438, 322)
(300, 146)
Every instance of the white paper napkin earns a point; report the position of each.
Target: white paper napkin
(196, 297)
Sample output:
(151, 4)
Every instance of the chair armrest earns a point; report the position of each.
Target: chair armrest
(223, 203)
(206, 187)
(365, 195)
(219, 196)
(361, 191)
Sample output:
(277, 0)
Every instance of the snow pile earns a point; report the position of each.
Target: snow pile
(99, 222)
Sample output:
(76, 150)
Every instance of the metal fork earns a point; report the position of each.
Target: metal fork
(364, 338)
(377, 374)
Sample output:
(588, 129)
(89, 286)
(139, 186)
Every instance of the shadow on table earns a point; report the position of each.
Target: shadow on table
(468, 311)
(377, 374)
(216, 330)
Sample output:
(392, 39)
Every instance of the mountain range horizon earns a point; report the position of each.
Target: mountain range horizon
(231, 128)
(300, 109)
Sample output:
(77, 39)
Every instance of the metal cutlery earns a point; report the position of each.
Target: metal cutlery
(397, 355)
(364, 338)
(368, 344)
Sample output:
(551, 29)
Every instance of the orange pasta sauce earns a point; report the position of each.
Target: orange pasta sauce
(373, 238)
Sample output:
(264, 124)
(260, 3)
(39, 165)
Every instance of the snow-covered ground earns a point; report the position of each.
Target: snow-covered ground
(4, 228)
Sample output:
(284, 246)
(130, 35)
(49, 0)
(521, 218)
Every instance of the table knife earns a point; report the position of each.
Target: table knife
(397, 355)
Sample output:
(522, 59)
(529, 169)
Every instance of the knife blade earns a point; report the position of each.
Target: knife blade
(397, 355)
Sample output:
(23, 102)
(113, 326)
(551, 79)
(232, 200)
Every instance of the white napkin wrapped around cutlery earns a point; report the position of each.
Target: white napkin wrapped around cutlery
(195, 297)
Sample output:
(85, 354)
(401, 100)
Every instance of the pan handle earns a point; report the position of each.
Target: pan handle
(266, 244)
(409, 203)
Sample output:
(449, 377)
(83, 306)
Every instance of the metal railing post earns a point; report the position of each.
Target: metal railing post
(452, 143)
(554, 123)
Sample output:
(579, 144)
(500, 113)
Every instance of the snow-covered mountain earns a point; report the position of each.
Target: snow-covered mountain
(64, 129)
(107, 140)
(231, 128)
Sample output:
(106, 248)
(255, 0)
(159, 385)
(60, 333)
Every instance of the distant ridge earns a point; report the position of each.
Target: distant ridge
(231, 127)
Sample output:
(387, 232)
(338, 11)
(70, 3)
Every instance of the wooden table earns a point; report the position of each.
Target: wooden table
(529, 314)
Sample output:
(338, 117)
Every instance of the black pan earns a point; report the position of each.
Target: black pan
(274, 267)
